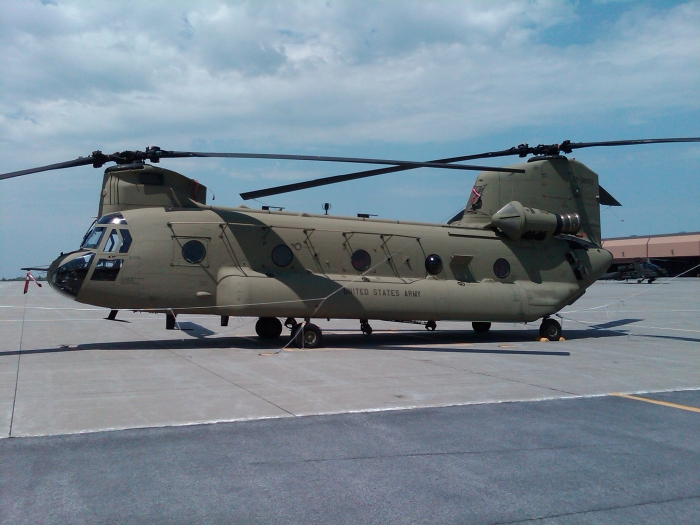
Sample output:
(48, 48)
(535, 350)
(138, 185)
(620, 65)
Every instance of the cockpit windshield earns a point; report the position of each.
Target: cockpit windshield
(93, 237)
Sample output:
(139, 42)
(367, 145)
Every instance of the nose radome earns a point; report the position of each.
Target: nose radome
(67, 273)
(53, 267)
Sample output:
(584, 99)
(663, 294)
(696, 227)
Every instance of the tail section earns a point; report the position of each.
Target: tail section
(552, 184)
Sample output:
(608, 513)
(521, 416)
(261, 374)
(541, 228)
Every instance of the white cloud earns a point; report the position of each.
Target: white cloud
(303, 72)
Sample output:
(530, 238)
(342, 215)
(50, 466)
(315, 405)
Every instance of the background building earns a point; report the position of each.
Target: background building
(677, 252)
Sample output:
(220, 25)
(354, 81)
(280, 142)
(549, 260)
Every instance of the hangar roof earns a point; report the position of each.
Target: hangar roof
(668, 245)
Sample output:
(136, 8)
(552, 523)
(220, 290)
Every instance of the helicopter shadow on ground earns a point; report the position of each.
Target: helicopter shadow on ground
(614, 324)
(634, 281)
(622, 322)
(195, 330)
(431, 341)
(198, 337)
(233, 343)
(672, 337)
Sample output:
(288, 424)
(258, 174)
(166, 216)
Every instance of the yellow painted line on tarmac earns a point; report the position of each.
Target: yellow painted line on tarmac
(657, 402)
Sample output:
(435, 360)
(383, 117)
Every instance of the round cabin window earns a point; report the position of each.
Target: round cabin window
(501, 268)
(361, 260)
(433, 264)
(193, 252)
(282, 255)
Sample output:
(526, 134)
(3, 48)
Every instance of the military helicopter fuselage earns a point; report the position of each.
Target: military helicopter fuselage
(637, 270)
(526, 245)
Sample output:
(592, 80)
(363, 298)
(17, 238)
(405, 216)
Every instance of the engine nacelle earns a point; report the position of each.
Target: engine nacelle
(519, 222)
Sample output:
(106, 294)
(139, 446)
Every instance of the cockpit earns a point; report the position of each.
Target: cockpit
(107, 242)
(93, 237)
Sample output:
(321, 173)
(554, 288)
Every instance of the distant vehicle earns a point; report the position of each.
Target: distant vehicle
(637, 270)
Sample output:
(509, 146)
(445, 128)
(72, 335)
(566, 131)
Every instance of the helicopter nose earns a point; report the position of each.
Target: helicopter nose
(67, 273)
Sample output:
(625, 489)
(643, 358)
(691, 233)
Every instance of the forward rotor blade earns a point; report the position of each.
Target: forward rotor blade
(154, 154)
(80, 161)
(318, 158)
(324, 181)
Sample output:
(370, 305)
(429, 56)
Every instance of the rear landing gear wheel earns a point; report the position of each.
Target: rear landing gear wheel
(431, 325)
(481, 327)
(550, 329)
(309, 336)
(268, 328)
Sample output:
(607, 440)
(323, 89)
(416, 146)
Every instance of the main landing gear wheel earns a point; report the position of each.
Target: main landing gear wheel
(550, 329)
(309, 336)
(366, 328)
(481, 327)
(431, 326)
(268, 328)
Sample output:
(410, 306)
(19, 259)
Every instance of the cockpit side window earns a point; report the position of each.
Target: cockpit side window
(112, 242)
(93, 238)
(106, 270)
(126, 241)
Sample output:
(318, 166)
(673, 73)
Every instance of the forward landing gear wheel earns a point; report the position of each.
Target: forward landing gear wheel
(431, 325)
(481, 327)
(268, 328)
(308, 337)
(550, 329)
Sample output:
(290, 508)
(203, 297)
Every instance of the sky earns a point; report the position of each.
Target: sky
(413, 80)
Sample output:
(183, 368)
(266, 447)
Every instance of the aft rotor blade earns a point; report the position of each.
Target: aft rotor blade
(523, 150)
(579, 145)
(324, 181)
(80, 161)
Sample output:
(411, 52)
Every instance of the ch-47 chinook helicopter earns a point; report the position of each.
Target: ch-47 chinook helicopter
(527, 244)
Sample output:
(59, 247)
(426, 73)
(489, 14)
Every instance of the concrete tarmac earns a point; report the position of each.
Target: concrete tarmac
(608, 460)
(556, 456)
(64, 369)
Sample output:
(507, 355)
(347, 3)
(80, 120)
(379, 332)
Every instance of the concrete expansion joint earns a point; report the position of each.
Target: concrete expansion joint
(601, 509)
